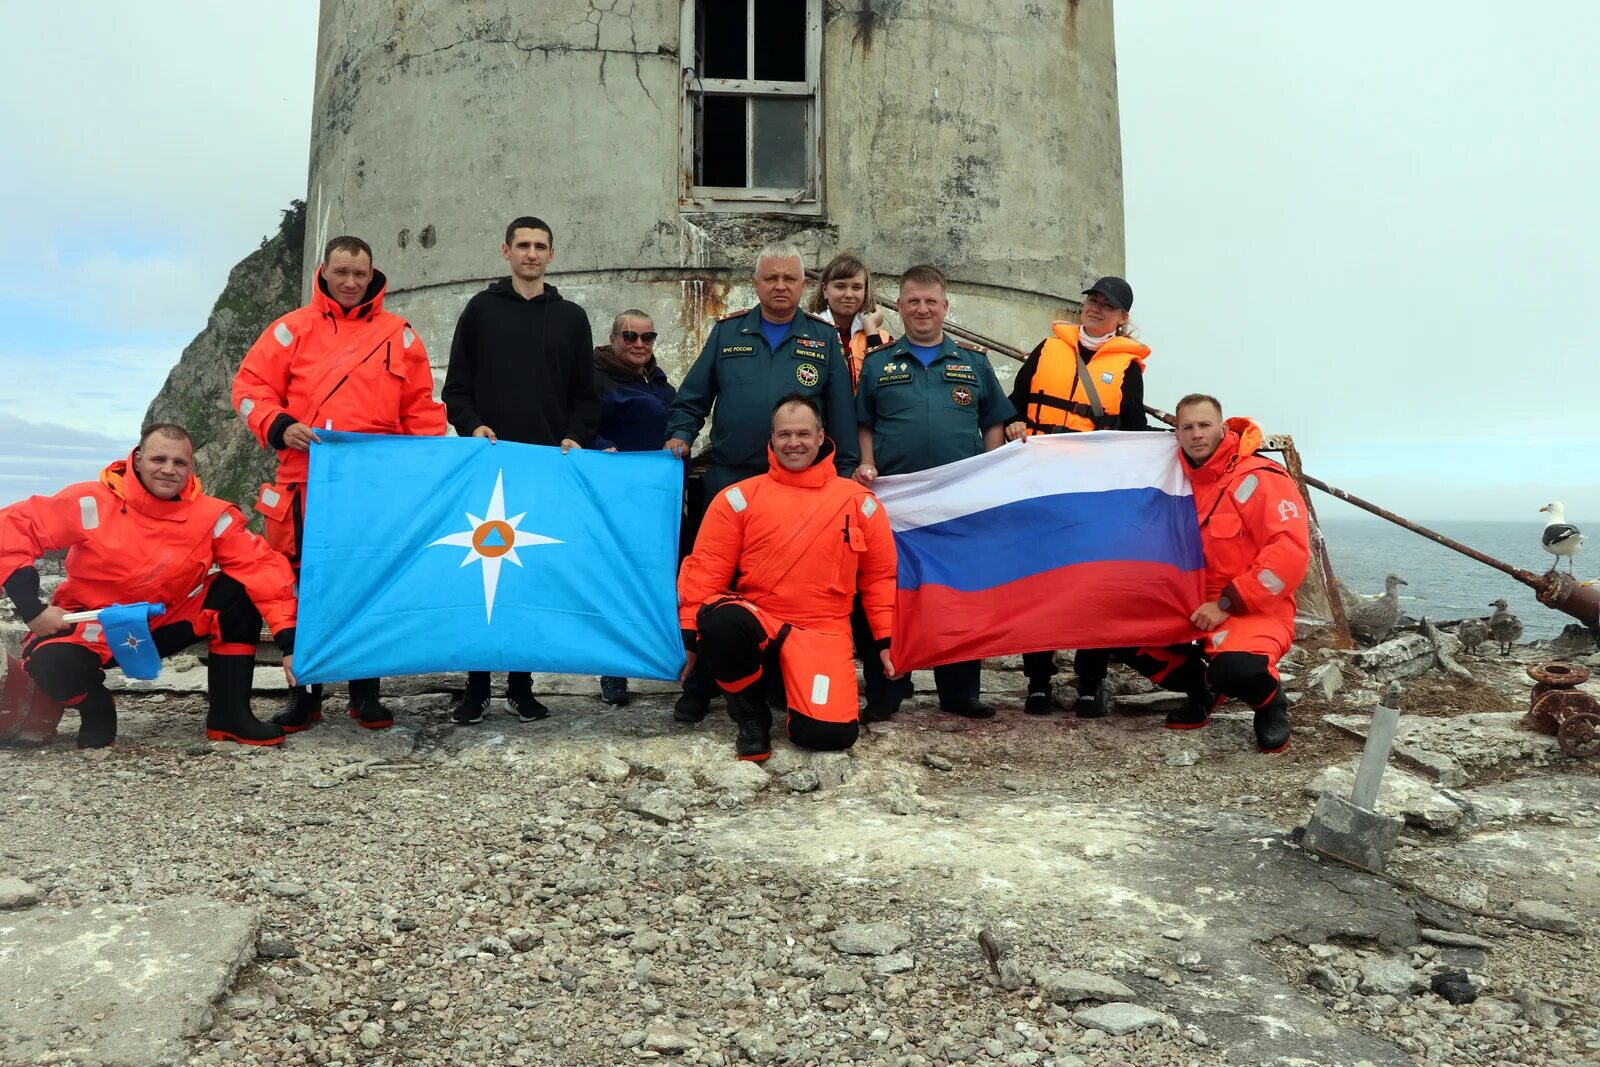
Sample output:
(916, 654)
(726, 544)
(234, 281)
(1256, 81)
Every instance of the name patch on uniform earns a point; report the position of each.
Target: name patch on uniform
(733, 350)
(959, 372)
(807, 374)
(893, 377)
(961, 395)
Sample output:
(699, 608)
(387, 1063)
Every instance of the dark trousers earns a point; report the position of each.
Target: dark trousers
(1245, 676)
(700, 494)
(1091, 665)
(1178, 667)
(956, 683)
(66, 670)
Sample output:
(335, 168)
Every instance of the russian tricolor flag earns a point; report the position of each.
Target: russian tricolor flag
(1083, 540)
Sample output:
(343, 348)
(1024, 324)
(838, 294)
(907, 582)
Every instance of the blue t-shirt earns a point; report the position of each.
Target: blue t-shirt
(775, 331)
(926, 353)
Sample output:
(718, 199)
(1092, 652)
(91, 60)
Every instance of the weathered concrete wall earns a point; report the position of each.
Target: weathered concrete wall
(981, 135)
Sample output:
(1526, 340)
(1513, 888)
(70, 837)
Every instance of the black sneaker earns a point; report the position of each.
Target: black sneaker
(877, 713)
(690, 708)
(470, 711)
(1039, 703)
(1092, 705)
(526, 707)
(971, 708)
(615, 691)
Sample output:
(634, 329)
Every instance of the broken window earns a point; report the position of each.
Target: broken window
(750, 79)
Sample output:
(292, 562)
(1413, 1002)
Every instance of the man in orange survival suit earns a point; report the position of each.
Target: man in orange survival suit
(145, 532)
(339, 363)
(767, 592)
(1257, 545)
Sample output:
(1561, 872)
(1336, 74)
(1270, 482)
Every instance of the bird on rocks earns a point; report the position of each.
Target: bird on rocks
(1504, 627)
(1472, 633)
(1561, 538)
(1373, 617)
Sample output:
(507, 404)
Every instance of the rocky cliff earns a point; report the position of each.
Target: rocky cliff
(264, 285)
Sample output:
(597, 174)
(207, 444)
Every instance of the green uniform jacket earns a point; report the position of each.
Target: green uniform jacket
(924, 417)
(745, 379)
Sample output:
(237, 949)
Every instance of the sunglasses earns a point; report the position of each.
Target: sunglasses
(634, 336)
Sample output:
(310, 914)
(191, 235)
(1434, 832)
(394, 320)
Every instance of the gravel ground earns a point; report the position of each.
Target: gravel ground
(440, 896)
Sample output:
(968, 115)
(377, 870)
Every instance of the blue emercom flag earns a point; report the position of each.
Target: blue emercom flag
(126, 630)
(447, 554)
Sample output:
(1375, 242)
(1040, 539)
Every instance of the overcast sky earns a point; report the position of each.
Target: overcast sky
(1372, 225)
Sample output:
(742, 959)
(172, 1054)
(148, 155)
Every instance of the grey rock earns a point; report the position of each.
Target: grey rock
(371, 1036)
(904, 804)
(15, 893)
(1325, 680)
(938, 763)
(1010, 975)
(1326, 978)
(1450, 937)
(117, 983)
(1159, 702)
(1183, 757)
(895, 964)
(1390, 977)
(803, 780)
(276, 948)
(1070, 987)
(290, 890)
(1542, 916)
(607, 768)
(841, 981)
(738, 776)
(870, 939)
(1118, 1018)
(664, 1039)
(658, 805)
(1400, 793)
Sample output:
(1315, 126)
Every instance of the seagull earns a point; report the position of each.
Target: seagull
(1472, 633)
(1504, 627)
(1373, 618)
(1560, 538)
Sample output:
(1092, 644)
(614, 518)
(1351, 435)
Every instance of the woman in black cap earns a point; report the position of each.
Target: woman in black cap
(1087, 375)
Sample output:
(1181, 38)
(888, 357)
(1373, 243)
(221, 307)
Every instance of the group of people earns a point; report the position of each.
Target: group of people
(791, 576)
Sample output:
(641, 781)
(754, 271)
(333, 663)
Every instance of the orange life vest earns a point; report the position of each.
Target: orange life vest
(1057, 398)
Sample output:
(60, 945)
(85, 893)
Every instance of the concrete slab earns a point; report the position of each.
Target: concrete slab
(1454, 749)
(1402, 794)
(117, 985)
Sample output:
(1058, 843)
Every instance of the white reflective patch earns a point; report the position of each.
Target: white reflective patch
(89, 512)
(736, 498)
(284, 335)
(196, 591)
(1246, 488)
(1270, 581)
(91, 632)
(223, 522)
(214, 569)
(869, 506)
(1218, 637)
(406, 337)
(246, 406)
(270, 496)
(819, 690)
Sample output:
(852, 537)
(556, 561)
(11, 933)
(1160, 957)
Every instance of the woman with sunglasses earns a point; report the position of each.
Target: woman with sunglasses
(634, 394)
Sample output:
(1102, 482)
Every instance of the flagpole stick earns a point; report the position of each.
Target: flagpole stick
(81, 616)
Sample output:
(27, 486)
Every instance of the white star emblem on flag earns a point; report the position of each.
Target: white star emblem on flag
(493, 539)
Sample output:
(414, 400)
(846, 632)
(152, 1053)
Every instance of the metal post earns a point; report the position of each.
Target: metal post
(1375, 756)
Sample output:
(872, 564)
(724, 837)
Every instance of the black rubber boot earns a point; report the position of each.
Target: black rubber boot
(754, 717)
(365, 707)
(968, 708)
(690, 707)
(97, 718)
(1039, 702)
(1272, 726)
(302, 711)
(1195, 714)
(228, 689)
(1092, 703)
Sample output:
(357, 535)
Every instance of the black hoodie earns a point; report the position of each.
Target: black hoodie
(524, 368)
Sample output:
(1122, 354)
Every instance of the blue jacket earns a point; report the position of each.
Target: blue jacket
(633, 407)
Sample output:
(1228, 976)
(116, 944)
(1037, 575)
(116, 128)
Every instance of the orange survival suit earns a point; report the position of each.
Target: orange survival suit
(782, 556)
(362, 369)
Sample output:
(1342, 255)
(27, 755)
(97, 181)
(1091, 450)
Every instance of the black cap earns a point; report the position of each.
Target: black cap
(1119, 292)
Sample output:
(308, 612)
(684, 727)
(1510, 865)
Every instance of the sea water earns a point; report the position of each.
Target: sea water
(1443, 584)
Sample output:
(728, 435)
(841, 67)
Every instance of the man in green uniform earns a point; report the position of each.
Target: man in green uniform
(923, 401)
(751, 360)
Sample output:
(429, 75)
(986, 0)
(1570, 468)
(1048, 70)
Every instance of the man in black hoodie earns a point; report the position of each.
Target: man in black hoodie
(522, 368)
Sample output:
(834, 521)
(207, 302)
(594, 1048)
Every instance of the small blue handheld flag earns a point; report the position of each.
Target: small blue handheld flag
(127, 633)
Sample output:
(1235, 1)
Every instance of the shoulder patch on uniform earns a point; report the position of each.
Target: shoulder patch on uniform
(741, 313)
(880, 348)
(970, 346)
(736, 499)
(825, 322)
(284, 335)
(89, 512)
(224, 521)
(1246, 488)
(869, 506)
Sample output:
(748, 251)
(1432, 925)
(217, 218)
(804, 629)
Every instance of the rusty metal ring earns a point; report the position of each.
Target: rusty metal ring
(1558, 673)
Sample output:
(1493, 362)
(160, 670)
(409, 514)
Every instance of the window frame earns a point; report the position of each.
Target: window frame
(751, 199)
